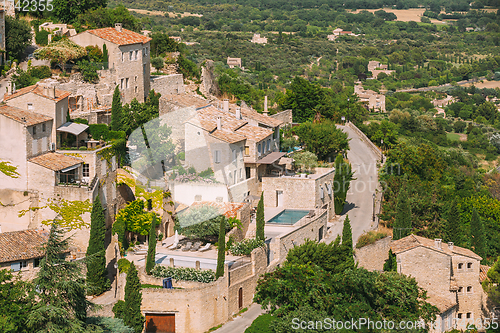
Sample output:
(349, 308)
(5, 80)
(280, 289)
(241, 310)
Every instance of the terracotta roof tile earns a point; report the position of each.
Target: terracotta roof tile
(254, 133)
(413, 241)
(441, 303)
(228, 209)
(124, 37)
(16, 114)
(39, 90)
(55, 161)
(22, 245)
(185, 100)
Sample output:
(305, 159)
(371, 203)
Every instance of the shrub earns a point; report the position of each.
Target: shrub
(123, 265)
(119, 309)
(261, 324)
(88, 70)
(206, 173)
(246, 246)
(369, 238)
(184, 273)
(109, 325)
(98, 131)
(81, 121)
(40, 72)
(42, 37)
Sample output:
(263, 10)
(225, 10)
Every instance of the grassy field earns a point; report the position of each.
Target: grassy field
(453, 136)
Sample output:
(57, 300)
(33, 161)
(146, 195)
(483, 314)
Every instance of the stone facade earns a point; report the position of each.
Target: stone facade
(373, 256)
(129, 56)
(168, 84)
(373, 100)
(234, 62)
(258, 39)
(284, 116)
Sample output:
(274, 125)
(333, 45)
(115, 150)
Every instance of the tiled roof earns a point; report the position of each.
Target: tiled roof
(22, 245)
(228, 209)
(413, 241)
(55, 161)
(32, 118)
(441, 303)
(124, 37)
(483, 272)
(37, 89)
(254, 133)
(185, 100)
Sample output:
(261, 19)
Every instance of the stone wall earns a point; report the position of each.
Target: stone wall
(372, 257)
(168, 84)
(468, 301)
(208, 86)
(284, 116)
(243, 215)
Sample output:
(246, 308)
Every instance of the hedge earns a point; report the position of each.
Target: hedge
(245, 247)
(184, 273)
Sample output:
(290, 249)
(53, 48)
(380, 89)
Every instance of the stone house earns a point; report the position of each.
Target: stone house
(58, 29)
(371, 99)
(450, 275)
(20, 251)
(129, 58)
(257, 39)
(234, 62)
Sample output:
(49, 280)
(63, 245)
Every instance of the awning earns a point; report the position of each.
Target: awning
(73, 128)
(271, 158)
(70, 168)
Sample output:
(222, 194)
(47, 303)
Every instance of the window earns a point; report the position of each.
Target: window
(460, 266)
(34, 147)
(269, 145)
(34, 130)
(459, 316)
(136, 56)
(241, 153)
(329, 188)
(121, 84)
(234, 155)
(247, 150)
(43, 127)
(135, 78)
(469, 265)
(18, 265)
(123, 56)
(234, 177)
(126, 83)
(136, 89)
(131, 55)
(469, 315)
(217, 156)
(321, 192)
(85, 170)
(30, 106)
(36, 262)
(460, 290)
(469, 289)
(259, 149)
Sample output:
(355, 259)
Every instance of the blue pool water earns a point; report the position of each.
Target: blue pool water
(288, 217)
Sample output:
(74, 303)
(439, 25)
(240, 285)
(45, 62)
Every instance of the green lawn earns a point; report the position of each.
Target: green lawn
(453, 136)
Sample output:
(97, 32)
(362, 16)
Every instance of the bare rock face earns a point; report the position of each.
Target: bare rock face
(208, 86)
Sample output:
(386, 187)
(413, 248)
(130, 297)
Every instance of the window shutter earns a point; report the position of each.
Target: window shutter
(15, 266)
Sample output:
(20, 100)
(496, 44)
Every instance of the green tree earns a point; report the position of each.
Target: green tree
(116, 111)
(260, 222)
(390, 265)
(150, 260)
(323, 139)
(133, 300)
(306, 160)
(303, 97)
(97, 279)
(347, 238)
(15, 303)
(162, 43)
(402, 224)
(341, 183)
(17, 37)
(478, 238)
(453, 224)
(157, 63)
(61, 52)
(221, 251)
(105, 56)
(492, 285)
(61, 295)
(67, 11)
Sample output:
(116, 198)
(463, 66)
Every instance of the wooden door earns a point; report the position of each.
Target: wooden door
(160, 323)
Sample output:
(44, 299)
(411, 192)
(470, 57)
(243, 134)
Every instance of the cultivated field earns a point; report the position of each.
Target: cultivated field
(485, 84)
(160, 13)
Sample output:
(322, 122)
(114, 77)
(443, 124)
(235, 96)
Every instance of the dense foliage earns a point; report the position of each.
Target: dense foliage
(341, 183)
(184, 273)
(17, 37)
(245, 247)
(132, 315)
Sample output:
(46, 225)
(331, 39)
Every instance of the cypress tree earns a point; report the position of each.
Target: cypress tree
(402, 224)
(97, 275)
(133, 300)
(478, 239)
(221, 249)
(260, 222)
(105, 57)
(453, 226)
(347, 234)
(150, 260)
(341, 183)
(116, 111)
(390, 264)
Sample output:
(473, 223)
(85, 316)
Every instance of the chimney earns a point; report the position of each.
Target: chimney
(226, 105)
(265, 105)
(118, 27)
(437, 243)
(13, 87)
(238, 113)
(51, 92)
(450, 246)
(219, 124)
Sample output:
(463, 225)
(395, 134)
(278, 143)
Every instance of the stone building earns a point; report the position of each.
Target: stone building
(257, 39)
(20, 251)
(450, 275)
(58, 29)
(129, 58)
(371, 99)
(234, 62)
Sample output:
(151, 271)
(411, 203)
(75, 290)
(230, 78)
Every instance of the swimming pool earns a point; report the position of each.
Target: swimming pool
(288, 217)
